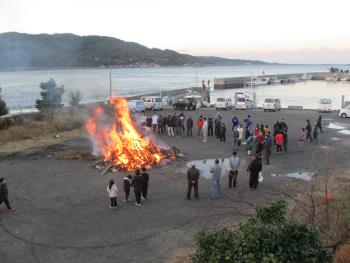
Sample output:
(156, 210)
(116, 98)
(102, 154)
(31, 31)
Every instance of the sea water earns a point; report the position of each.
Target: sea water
(20, 89)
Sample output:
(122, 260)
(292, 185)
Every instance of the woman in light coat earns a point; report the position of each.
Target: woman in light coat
(112, 191)
(240, 130)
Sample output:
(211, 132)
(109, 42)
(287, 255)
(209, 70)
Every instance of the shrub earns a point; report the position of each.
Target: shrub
(268, 237)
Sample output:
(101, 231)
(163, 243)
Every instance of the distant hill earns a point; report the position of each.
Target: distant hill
(18, 50)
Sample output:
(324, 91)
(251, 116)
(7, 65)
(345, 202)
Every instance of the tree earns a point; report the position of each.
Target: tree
(51, 98)
(269, 237)
(3, 108)
(75, 98)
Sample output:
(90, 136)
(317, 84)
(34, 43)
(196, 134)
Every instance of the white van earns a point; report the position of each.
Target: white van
(223, 103)
(136, 105)
(325, 105)
(244, 103)
(152, 102)
(272, 104)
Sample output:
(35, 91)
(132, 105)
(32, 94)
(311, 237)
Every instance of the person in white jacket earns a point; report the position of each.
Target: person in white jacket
(112, 191)
(241, 134)
(205, 130)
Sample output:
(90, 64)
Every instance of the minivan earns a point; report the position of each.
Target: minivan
(223, 103)
(272, 104)
(152, 102)
(244, 103)
(136, 105)
(325, 105)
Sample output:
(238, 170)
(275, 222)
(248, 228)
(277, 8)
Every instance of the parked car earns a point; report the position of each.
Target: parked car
(272, 104)
(223, 103)
(136, 105)
(184, 105)
(152, 102)
(325, 105)
(244, 103)
(345, 113)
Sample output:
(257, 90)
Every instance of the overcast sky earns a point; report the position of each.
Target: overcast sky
(291, 31)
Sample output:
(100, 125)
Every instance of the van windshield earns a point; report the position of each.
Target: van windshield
(139, 103)
(158, 100)
(220, 99)
(269, 100)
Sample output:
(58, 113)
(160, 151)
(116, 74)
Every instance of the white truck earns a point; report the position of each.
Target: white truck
(223, 103)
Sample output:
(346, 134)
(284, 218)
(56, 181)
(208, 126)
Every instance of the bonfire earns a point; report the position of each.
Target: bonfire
(121, 145)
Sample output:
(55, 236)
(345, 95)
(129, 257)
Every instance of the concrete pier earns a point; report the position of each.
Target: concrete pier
(240, 82)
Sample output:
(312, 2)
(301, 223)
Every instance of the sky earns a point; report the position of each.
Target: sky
(285, 31)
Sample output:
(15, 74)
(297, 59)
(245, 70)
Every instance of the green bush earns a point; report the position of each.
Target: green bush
(268, 238)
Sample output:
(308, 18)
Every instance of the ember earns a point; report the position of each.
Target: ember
(122, 145)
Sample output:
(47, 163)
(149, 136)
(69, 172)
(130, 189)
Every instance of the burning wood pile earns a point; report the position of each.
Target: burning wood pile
(121, 145)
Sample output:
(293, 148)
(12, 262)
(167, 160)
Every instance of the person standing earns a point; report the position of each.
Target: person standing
(164, 122)
(319, 123)
(145, 179)
(112, 191)
(192, 181)
(154, 122)
(301, 139)
(315, 134)
(160, 124)
(235, 122)
(308, 129)
(4, 195)
(222, 133)
(279, 142)
(248, 122)
(205, 130)
(199, 124)
(210, 126)
(235, 139)
(267, 148)
(137, 184)
(260, 140)
(250, 143)
(216, 176)
(254, 168)
(285, 140)
(217, 124)
(241, 134)
(170, 126)
(189, 124)
(234, 166)
(182, 120)
(178, 126)
(126, 186)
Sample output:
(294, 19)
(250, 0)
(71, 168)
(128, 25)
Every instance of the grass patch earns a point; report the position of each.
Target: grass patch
(33, 129)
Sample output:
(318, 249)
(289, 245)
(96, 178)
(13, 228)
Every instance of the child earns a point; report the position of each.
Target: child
(250, 141)
(127, 185)
(301, 139)
(279, 142)
(112, 191)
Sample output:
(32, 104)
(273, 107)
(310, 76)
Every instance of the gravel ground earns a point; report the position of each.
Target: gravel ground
(62, 213)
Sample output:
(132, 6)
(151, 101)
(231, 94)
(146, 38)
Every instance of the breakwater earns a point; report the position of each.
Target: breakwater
(240, 82)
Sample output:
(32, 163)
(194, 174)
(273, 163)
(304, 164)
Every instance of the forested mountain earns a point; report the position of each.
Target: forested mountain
(18, 50)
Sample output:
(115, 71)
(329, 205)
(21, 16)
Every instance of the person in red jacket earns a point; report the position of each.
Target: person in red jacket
(279, 142)
(200, 123)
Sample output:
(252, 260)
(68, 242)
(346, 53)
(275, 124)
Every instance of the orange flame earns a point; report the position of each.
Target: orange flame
(122, 145)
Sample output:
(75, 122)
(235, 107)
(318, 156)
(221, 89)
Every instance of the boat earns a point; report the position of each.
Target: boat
(274, 81)
(306, 76)
(257, 81)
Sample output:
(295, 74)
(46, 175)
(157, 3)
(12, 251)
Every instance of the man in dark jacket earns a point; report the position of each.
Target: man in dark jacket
(254, 169)
(4, 195)
(308, 129)
(267, 147)
(145, 179)
(192, 181)
(137, 184)
(210, 126)
(126, 186)
(160, 124)
(189, 126)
